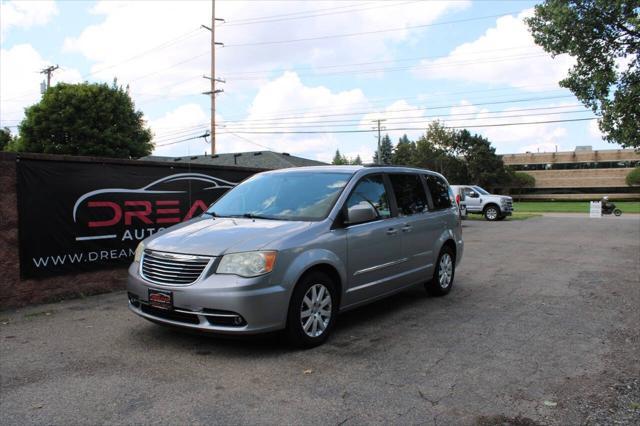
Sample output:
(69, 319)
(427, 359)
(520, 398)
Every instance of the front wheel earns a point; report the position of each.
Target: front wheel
(312, 311)
(617, 212)
(491, 213)
(442, 280)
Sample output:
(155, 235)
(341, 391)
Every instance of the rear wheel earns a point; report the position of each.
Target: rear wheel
(443, 274)
(312, 311)
(491, 212)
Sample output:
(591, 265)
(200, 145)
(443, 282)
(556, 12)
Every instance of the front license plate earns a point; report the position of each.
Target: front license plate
(161, 299)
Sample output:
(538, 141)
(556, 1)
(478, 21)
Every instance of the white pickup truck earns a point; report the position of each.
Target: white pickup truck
(479, 201)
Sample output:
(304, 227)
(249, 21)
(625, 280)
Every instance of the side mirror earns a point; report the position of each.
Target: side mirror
(362, 212)
(474, 195)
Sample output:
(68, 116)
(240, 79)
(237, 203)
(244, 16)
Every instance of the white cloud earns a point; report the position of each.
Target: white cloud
(284, 96)
(594, 130)
(20, 81)
(25, 14)
(129, 29)
(513, 139)
(184, 122)
(399, 114)
(504, 54)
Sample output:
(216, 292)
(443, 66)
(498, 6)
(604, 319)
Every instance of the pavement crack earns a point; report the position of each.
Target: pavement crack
(423, 396)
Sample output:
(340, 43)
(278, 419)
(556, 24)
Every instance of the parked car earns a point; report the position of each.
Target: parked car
(458, 195)
(290, 249)
(479, 201)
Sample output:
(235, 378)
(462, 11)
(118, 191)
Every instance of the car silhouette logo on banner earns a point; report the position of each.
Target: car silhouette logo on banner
(163, 202)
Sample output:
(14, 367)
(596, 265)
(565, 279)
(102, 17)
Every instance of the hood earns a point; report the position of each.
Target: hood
(494, 197)
(213, 237)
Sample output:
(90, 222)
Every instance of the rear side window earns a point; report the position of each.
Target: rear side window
(410, 194)
(439, 192)
(371, 190)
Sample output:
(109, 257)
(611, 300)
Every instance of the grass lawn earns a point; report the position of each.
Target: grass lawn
(514, 216)
(569, 206)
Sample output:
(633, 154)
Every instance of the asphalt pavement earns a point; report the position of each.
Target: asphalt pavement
(542, 327)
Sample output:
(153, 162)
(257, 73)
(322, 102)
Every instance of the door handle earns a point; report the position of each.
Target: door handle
(406, 228)
(392, 231)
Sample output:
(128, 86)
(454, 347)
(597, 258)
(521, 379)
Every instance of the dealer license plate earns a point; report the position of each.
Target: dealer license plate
(161, 299)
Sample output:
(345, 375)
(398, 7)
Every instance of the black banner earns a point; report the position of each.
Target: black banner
(82, 216)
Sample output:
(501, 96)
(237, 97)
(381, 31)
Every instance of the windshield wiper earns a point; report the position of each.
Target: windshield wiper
(257, 216)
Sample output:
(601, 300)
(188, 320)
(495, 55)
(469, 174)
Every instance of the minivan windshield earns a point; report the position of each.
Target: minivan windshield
(480, 190)
(305, 196)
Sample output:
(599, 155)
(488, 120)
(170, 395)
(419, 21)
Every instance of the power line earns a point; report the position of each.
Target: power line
(394, 121)
(422, 96)
(411, 109)
(185, 140)
(314, 14)
(418, 120)
(161, 46)
(361, 33)
(344, 65)
(250, 141)
(413, 128)
(413, 67)
(300, 12)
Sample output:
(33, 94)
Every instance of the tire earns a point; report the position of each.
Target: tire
(491, 212)
(617, 212)
(319, 325)
(436, 286)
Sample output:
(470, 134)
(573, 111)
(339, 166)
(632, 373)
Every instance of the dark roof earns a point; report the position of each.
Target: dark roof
(257, 159)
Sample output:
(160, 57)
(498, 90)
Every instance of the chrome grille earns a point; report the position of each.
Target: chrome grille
(172, 269)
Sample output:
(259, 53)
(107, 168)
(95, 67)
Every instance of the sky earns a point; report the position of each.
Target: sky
(303, 77)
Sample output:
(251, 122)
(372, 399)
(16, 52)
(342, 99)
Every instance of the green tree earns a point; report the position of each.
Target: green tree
(434, 151)
(633, 177)
(356, 161)
(85, 119)
(522, 180)
(386, 151)
(483, 166)
(339, 159)
(404, 152)
(5, 138)
(604, 37)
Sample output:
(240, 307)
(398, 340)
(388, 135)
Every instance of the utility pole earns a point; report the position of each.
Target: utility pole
(213, 78)
(48, 71)
(379, 139)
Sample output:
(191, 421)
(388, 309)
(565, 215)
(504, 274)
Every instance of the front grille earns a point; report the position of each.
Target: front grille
(508, 206)
(172, 269)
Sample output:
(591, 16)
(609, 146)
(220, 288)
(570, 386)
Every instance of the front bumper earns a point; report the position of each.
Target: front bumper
(203, 305)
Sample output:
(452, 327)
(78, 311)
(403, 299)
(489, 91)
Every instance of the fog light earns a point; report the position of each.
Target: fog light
(133, 299)
(237, 321)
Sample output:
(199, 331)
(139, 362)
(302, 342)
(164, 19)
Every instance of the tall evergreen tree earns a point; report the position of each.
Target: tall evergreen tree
(339, 159)
(404, 152)
(386, 151)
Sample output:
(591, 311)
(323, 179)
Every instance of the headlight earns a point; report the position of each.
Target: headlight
(138, 256)
(248, 264)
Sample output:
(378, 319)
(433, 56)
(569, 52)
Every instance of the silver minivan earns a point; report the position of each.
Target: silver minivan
(290, 249)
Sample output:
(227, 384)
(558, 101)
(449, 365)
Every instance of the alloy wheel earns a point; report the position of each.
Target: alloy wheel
(315, 310)
(445, 271)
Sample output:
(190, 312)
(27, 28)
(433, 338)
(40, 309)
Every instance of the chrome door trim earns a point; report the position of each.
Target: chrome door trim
(381, 266)
(360, 287)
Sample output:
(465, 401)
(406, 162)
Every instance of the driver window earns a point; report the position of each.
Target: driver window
(371, 190)
(469, 192)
